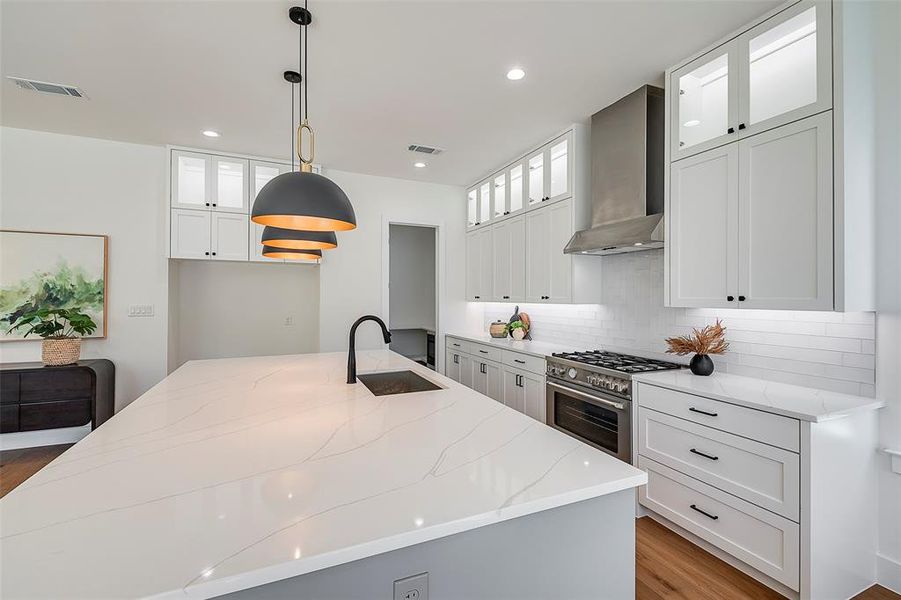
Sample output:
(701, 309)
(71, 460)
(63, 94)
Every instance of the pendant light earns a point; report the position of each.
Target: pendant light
(291, 254)
(303, 200)
(277, 237)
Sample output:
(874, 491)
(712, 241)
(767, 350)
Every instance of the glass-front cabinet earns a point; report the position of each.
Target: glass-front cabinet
(517, 188)
(535, 181)
(190, 180)
(559, 184)
(786, 66)
(484, 203)
(499, 182)
(229, 193)
(472, 207)
(778, 72)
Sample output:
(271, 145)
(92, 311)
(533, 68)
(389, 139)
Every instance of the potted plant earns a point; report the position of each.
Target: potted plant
(517, 330)
(61, 330)
(703, 343)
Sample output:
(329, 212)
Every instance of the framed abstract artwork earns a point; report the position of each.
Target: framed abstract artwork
(51, 270)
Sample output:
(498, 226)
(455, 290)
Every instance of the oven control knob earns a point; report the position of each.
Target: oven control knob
(572, 373)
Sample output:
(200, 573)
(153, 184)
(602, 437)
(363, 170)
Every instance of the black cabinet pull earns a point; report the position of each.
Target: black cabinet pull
(730, 298)
(456, 359)
(516, 360)
(214, 254)
(506, 297)
(214, 204)
(730, 130)
(741, 125)
(483, 351)
(476, 297)
(705, 513)
(693, 451)
(709, 414)
(206, 253)
(519, 378)
(484, 368)
(207, 203)
(741, 298)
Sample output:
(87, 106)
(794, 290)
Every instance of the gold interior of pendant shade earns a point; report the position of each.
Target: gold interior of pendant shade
(304, 223)
(292, 255)
(300, 244)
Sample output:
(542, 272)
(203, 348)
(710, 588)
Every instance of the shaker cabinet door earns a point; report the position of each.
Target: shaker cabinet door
(190, 235)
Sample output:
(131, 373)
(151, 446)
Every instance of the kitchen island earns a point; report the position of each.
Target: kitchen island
(271, 471)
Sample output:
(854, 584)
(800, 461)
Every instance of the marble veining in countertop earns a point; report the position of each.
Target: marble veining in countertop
(532, 347)
(233, 473)
(804, 403)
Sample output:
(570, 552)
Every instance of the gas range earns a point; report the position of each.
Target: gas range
(609, 372)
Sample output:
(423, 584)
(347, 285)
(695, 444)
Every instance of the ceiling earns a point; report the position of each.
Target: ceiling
(382, 75)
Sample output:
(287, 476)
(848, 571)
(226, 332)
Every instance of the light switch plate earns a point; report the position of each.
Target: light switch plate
(140, 310)
(415, 587)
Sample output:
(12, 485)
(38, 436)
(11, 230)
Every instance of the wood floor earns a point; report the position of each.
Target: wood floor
(667, 566)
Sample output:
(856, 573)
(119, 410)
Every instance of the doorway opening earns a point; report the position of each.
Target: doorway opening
(412, 291)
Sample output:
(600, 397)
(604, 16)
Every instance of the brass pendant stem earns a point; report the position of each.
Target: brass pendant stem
(306, 163)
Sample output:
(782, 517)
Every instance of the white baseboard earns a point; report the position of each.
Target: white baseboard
(888, 573)
(44, 437)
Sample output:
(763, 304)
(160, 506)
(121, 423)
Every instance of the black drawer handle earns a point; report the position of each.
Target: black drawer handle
(709, 414)
(483, 351)
(730, 298)
(741, 125)
(741, 298)
(693, 451)
(705, 513)
(506, 297)
(516, 360)
(730, 130)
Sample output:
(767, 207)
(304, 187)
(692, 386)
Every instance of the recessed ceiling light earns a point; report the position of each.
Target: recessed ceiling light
(210, 133)
(419, 165)
(515, 74)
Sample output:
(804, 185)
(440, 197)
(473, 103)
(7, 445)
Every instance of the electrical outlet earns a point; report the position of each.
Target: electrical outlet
(415, 587)
(140, 310)
(289, 321)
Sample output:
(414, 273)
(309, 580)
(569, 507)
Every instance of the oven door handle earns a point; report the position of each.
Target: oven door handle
(587, 397)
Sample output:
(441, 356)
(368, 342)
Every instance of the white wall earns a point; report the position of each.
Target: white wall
(227, 309)
(351, 277)
(819, 349)
(70, 184)
(412, 276)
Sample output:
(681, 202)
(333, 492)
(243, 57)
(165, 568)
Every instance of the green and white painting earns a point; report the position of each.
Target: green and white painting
(51, 270)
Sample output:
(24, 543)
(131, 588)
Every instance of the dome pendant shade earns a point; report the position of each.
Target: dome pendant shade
(270, 252)
(303, 201)
(277, 237)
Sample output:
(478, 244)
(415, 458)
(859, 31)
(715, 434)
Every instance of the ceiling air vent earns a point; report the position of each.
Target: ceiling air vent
(424, 149)
(48, 88)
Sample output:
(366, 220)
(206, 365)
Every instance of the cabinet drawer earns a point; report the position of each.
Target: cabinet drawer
(60, 384)
(484, 352)
(9, 388)
(457, 345)
(767, 542)
(776, 430)
(527, 362)
(50, 415)
(9, 418)
(766, 476)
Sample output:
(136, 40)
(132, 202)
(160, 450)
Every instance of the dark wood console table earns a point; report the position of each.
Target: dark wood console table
(34, 397)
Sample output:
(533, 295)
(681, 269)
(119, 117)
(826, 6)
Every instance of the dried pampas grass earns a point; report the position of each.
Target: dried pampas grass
(710, 340)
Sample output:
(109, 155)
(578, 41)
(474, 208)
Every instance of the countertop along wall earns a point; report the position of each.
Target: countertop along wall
(69, 184)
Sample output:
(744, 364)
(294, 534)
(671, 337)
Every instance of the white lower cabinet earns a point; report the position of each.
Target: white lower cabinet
(512, 378)
(524, 391)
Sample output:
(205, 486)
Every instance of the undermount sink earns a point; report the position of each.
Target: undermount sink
(396, 382)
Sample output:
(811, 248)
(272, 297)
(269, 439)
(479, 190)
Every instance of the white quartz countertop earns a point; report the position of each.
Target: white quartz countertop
(533, 347)
(806, 404)
(234, 473)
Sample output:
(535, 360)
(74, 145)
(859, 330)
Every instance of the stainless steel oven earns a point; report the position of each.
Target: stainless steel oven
(597, 418)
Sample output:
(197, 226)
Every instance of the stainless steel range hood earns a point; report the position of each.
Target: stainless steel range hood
(626, 177)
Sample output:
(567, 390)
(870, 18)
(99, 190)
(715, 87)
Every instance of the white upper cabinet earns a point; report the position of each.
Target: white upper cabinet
(772, 74)
(786, 68)
(501, 199)
(517, 188)
(548, 269)
(559, 168)
(229, 236)
(261, 173)
(484, 203)
(508, 238)
(190, 236)
(473, 267)
(704, 101)
(486, 264)
(472, 207)
(703, 229)
(786, 217)
(190, 178)
(535, 178)
(229, 185)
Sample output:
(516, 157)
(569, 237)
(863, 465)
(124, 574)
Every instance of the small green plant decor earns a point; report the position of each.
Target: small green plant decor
(61, 330)
(517, 330)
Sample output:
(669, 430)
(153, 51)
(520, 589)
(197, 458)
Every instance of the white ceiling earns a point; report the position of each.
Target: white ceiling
(382, 74)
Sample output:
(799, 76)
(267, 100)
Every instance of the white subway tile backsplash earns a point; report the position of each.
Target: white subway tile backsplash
(825, 350)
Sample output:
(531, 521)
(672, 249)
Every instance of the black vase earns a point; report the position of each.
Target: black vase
(701, 364)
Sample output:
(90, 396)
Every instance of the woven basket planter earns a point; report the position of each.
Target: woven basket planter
(60, 351)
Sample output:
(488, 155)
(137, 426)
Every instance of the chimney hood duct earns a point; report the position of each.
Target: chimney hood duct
(626, 177)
